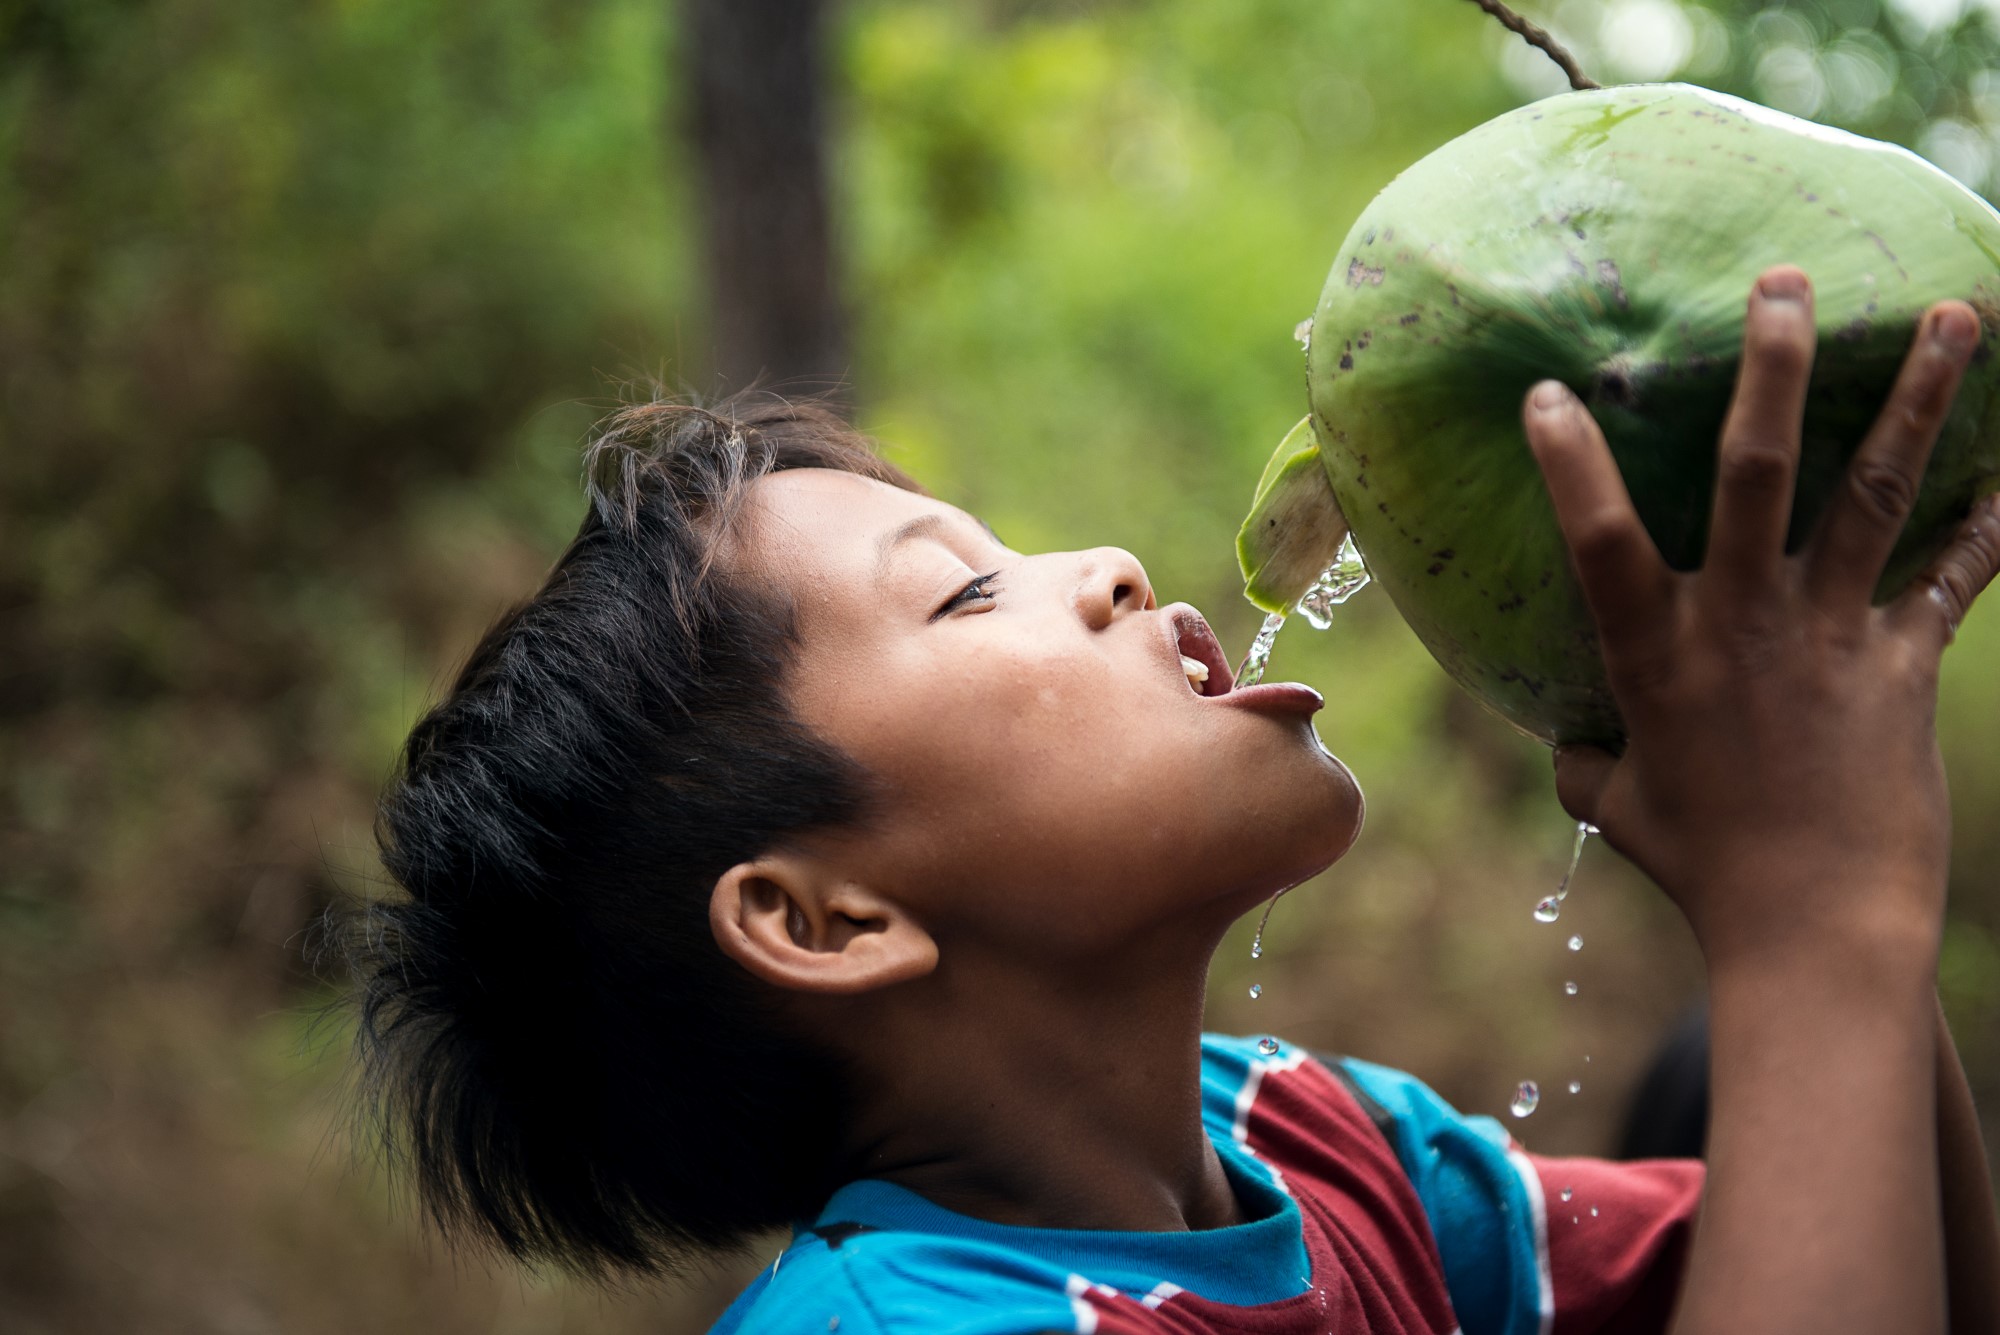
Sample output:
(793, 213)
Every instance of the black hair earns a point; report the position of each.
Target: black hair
(551, 1045)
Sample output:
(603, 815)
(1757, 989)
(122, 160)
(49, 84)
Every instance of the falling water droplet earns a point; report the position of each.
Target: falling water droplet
(1267, 1046)
(1586, 1059)
(1256, 990)
(1576, 943)
(1252, 669)
(1569, 989)
(1593, 1212)
(1347, 576)
(1527, 1097)
(1303, 332)
(1567, 1193)
(1576, 1086)
(1548, 910)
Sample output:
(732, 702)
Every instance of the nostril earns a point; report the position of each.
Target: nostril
(1121, 594)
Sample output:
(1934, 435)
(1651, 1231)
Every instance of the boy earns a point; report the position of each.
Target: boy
(801, 855)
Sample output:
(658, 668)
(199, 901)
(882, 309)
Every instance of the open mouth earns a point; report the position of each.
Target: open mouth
(1202, 659)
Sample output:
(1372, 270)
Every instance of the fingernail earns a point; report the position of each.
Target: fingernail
(1549, 396)
(1782, 285)
(1954, 329)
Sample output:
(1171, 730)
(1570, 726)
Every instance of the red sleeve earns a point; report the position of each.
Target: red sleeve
(1618, 1240)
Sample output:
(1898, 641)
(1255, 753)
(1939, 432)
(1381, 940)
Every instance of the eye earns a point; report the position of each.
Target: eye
(978, 591)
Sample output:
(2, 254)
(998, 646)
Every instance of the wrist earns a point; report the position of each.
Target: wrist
(1860, 929)
(1881, 953)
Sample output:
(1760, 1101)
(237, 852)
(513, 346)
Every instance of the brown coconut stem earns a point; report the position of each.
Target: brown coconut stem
(1538, 37)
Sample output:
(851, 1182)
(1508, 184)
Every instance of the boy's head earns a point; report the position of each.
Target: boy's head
(785, 750)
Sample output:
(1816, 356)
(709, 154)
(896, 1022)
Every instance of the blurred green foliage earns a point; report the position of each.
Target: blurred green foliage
(304, 311)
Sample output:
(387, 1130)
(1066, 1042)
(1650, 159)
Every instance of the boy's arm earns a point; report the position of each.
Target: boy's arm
(1781, 781)
(1971, 1232)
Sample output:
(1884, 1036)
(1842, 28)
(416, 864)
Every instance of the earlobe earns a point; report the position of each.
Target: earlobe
(795, 922)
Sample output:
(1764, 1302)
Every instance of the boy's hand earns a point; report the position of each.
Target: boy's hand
(1781, 778)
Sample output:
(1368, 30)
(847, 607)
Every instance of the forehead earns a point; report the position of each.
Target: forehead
(818, 531)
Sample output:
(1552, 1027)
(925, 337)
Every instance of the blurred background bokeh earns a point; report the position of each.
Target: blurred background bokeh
(305, 310)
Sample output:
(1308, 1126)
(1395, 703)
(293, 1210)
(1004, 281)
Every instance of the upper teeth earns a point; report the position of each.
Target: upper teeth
(1197, 671)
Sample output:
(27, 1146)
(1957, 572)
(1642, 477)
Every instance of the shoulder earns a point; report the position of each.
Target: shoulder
(856, 1281)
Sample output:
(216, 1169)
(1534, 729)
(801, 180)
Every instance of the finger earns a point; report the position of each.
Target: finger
(1936, 602)
(1626, 584)
(1582, 775)
(1758, 460)
(1865, 517)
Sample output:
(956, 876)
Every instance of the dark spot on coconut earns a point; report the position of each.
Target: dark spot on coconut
(1388, 235)
(1369, 238)
(1607, 274)
(1363, 339)
(1434, 568)
(1853, 331)
(1811, 198)
(1547, 575)
(1383, 506)
(1347, 361)
(1453, 289)
(1465, 574)
(1445, 553)
(1361, 459)
(1515, 676)
(1576, 265)
(1613, 385)
(1749, 157)
(1359, 273)
(1870, 308)
(1361, 481)
(1514, 604)
(1883, 246)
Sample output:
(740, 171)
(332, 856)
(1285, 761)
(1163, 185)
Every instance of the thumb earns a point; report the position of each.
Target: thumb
(1582, 774)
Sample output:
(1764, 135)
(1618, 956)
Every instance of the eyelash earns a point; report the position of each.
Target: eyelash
(972, 592)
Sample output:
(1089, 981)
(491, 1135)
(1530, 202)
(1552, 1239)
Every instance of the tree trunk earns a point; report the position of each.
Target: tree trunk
(759, 132)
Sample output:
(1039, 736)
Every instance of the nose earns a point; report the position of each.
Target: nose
(1110, 583)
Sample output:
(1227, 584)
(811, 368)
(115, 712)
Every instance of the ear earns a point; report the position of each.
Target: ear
(796, 922)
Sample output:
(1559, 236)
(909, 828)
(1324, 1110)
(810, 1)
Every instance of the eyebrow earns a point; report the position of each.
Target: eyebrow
(923, 526)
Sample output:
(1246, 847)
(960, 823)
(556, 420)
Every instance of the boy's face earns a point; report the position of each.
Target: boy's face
(1050, 780)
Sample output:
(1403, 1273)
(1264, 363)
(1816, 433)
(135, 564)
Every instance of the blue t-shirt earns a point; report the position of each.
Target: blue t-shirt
(1372, 1205)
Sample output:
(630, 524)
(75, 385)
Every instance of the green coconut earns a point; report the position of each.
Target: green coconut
(1608, 239)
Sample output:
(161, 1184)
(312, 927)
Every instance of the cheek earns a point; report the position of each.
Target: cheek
(1001, 726)
(1042, 788)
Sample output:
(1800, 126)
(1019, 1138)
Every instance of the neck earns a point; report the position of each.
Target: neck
(1046, 1102)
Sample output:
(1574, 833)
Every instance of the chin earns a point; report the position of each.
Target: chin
(1303, 825)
